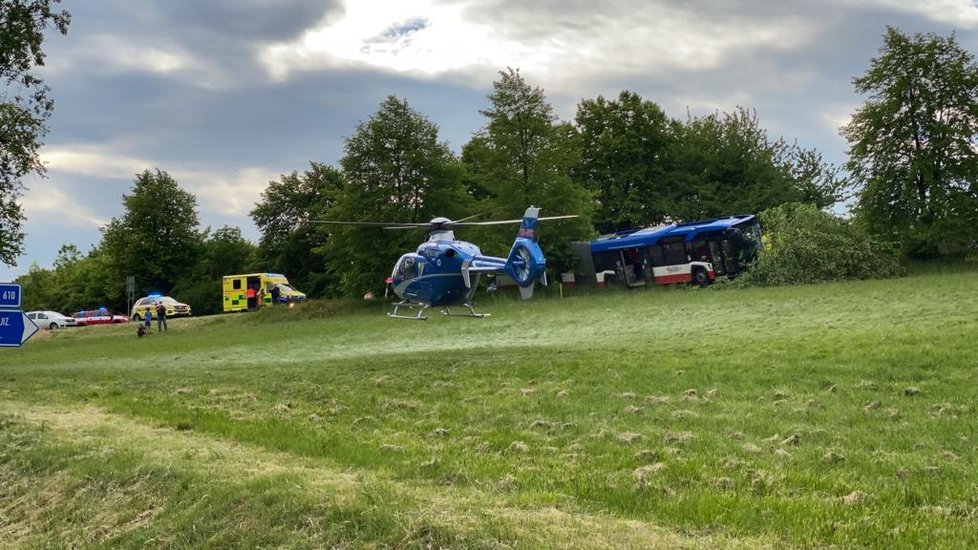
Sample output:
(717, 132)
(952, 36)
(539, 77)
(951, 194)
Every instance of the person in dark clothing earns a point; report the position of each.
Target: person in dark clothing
(276, 294)
(148, 319)
(160, 317)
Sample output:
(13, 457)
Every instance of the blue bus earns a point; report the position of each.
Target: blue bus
(689, 252)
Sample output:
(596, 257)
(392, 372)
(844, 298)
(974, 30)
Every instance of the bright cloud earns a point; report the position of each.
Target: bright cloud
(227, 194)
(413, 35)
(49, 205)
(963, 13)
(92, 160)
(423, 37)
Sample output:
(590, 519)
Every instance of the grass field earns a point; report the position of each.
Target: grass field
(830, 415)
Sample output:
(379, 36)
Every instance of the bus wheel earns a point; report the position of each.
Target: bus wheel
(700, 278)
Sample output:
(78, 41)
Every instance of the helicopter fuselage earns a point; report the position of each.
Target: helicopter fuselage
(440, 272)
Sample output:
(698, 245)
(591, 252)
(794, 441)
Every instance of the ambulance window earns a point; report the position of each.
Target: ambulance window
(236, 284)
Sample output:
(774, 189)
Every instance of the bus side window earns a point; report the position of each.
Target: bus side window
(698, 251)
(654, 254)
(605, 261)
(675, 253)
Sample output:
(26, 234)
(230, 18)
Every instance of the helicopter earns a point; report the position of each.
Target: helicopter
(444, 271)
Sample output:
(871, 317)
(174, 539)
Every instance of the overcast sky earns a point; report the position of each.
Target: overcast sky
(227, 95)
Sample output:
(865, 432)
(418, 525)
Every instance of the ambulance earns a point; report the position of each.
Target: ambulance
(238, 298)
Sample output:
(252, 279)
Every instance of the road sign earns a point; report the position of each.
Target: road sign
(15, 328)
(9, 295)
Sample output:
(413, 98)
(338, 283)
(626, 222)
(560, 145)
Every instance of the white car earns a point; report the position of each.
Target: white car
(50, 319)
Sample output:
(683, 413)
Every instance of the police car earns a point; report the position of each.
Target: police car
(173, 307)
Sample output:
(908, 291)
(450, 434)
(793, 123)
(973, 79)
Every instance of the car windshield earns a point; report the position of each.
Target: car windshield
(285, 287)
(164, 299)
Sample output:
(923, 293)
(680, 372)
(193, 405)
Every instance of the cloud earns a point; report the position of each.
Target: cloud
(92, 160)
(232, 194)
(960, 13)
(52, 206)
(433, 39)
(227, 193)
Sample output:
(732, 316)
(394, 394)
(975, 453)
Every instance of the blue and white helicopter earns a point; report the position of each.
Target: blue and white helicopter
(445, 271)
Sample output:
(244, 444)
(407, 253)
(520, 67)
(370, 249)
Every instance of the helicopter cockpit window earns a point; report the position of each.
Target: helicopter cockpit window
(409, 266)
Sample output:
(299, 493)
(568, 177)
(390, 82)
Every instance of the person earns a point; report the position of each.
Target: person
(276, 294)
(251, 297)
(148, 320)
(160, 317)
(260, 297)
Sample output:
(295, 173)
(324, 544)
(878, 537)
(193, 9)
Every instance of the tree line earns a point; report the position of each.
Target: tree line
(621, 163)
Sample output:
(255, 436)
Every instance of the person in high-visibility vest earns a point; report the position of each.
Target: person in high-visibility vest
(251, 297)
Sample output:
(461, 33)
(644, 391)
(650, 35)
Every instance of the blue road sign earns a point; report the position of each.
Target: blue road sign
(9, 295)
(15, 328)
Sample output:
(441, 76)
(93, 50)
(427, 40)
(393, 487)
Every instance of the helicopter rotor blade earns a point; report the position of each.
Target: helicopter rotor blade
(448, 224)
(466, 218)
(503, 222)
(386, 225)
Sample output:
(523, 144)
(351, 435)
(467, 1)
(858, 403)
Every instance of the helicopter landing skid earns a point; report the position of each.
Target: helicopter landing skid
(446, 311)
(410, 305)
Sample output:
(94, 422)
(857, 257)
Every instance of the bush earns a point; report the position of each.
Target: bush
(803, 244)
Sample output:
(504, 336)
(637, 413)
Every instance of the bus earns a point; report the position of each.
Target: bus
(690, 252)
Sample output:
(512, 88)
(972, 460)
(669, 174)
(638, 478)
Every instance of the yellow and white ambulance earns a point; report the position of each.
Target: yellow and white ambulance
(253, 290)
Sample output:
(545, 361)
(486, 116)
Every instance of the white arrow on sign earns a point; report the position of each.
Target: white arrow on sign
(15, 328)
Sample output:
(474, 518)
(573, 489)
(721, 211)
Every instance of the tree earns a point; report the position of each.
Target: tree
(286, 242)
(395, 170)
(75, 283)
(157, 238)
(724, 164)
(912, 144)
(524, 156)
(622, 147)
(24, 108)
(806, 245)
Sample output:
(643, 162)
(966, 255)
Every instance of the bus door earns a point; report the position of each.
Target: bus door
(633, 266)
(730, 257)
(719, 263)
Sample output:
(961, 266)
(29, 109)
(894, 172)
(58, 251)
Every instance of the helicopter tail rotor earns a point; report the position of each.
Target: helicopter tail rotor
(526, 263)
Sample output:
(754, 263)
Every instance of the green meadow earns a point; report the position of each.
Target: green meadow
(828, 415)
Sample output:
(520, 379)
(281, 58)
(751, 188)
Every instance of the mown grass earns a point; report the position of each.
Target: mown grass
(838, 414)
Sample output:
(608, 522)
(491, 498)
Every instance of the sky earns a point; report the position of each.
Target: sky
(228, 95)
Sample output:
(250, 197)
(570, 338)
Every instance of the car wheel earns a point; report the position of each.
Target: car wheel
(53, 326)
(137, 318)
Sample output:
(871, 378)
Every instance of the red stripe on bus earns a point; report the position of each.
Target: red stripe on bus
(669, 279)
